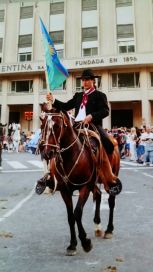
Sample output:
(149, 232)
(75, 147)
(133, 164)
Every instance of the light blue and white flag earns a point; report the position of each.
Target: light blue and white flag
(56, 72)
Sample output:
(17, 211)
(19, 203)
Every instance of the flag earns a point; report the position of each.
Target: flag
(56, 72)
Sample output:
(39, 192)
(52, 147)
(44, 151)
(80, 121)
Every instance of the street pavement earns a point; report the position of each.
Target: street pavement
(21, 161)
(34, 232)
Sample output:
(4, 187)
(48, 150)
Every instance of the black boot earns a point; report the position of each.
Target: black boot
(107, 143)
(41, 184)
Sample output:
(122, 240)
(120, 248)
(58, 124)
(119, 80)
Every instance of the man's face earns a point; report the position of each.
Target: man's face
(87, 83)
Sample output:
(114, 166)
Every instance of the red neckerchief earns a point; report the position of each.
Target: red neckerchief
(85, 96)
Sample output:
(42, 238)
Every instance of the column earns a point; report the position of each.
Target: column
(4, 108)
(146, 111)
(105, 89)
(36, 107)
(146, 106)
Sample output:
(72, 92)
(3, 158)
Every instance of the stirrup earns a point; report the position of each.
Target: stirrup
(41, 185)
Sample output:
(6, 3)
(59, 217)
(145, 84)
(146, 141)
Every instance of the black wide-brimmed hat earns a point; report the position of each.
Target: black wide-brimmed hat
(87, 74)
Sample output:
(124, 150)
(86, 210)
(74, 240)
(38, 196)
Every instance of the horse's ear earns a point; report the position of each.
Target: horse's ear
(66, 113)
(67, 117)
(44, 107)
(42, 116)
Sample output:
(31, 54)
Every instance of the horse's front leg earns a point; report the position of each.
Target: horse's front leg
(110, 226)
(83, 196)
(67, 197)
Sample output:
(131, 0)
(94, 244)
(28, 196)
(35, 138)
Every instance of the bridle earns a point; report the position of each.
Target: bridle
(49, 126)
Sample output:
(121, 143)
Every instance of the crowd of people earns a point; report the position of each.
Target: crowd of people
(135, 144)
(18, 141)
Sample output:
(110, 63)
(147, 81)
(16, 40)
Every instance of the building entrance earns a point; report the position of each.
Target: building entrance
(122, 118)
(14, 117)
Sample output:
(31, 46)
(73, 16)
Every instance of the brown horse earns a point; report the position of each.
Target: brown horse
(71, 158)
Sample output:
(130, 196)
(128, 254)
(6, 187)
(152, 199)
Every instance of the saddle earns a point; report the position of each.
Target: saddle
(100, 158)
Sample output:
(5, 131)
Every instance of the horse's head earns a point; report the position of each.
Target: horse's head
(54, 124)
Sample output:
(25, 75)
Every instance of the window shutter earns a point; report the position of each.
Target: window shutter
(1, 44)
(125, 31)
(26, 12)
(89, 34)
(89, 5)
(25, 41)
(123, 3)
(2, 13)
(57, 36)
(57, 8)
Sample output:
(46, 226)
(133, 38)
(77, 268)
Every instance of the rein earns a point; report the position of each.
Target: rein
(65, 177)
(49, 120)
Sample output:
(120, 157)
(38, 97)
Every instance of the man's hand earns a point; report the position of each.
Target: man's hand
(50, 98)
(87, 119)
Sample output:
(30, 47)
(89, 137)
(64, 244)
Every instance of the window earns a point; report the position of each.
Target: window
(26, 12)
(25, 86)
(44, 84)
(79, 83)
(60, 53)
(25, 56)
(89, 5)
(90, 51)
(25, 41)
(126, 47)
(89, 34)
(57, 36)
(125, 31)
(151, 76)
(0, 59)
(61, 87)
(125, 80)
(57, 8)
(123, 3)
(2, 13)
(1, 44)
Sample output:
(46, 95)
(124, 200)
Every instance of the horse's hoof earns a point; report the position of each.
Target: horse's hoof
(99, 233)
(87, 245)
(108, 235)
(115, 188)
(71, 251)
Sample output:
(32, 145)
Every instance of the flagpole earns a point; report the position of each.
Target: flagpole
(49, 104)
(55, 72)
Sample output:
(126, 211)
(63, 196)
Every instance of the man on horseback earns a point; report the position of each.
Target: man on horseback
(90, 106)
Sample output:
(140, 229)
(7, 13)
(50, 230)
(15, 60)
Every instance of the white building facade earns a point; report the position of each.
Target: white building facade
(112, 37)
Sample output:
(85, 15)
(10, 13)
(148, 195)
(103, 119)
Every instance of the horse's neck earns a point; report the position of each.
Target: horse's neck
(71, 138)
